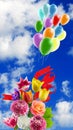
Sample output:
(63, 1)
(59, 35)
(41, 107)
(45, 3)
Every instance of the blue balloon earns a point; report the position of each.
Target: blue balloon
(41, 13)
(53, 10)
(58, 30)
(46, 9)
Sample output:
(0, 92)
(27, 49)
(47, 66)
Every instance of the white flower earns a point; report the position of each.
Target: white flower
(23, 122)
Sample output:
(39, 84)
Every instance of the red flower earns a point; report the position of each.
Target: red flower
(23, 84)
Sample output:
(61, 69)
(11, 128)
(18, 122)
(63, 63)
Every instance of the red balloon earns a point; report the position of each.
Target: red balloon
(56, 20)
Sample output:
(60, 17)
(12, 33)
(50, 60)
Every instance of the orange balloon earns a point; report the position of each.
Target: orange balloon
(49, 32)
(65, 19)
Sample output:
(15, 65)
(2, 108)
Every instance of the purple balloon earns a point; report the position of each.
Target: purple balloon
(48, 22)
(37, 39)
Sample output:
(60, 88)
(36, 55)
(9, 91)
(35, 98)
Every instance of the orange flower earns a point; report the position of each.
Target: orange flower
(38, 108)
(27, 96)
(29, 93)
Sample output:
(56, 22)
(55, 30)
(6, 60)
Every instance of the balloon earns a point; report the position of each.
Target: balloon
(43, 94)
(65, 19)
(41, 14)
(58, 30)
(36, 84)
(45, 46)
(48, 32)
(53, 10)
(37, 38)
(39, 26)
(62, 36)
(48, 22)
(56, 20)
(46, 9)
(55, 45)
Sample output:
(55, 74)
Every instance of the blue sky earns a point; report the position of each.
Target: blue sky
(19, 57)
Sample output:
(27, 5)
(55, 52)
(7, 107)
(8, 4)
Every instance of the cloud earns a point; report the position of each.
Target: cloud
(18, 13)
(61, 10)
(4, 78)
(18, 48)
(65, 88)
(9, 80)
(3, 115)
(70, 11)
(70, 52)
(15, 40)
(64, 114)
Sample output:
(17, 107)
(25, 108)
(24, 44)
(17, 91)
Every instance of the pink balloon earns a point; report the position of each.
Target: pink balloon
(48, 22)
(37, 39)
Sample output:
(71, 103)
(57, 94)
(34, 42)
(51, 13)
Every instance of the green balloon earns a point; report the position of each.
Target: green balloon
(39, 26)
(45, 46)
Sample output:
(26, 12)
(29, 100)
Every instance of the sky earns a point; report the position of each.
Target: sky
(20, 58)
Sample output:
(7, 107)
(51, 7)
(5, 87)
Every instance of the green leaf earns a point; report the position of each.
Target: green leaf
(48, 113)
(49, 122)
(30, 114)
(48, 117)
(16, 127)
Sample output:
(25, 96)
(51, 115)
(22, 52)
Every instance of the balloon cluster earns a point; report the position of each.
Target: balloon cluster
(50, 24)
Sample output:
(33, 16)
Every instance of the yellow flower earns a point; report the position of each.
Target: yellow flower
(43, 94)
(36, 85)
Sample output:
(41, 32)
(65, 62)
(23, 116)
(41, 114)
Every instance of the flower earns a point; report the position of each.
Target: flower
(43, 94)
(11, 121)
(23, 122)
(37, 108)
(16, 95)
(19, 107)
(37, 123)
(36, 84)
(24, 84)
(28, 96)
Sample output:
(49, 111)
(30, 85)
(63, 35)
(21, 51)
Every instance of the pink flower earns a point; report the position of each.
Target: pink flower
(24, 84)
(37, 123)
(37, 108)
(19, 107)
(11, 121)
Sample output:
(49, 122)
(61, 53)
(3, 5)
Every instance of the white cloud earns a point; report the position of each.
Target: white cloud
(3, 115)
(64, 114)
(61, 10)
(19, 48)
(70, 11)
(19, 12)
(4, 78)
(9, 80)
(18, 72)
(70, 52)
(15, 15)
(65, 88)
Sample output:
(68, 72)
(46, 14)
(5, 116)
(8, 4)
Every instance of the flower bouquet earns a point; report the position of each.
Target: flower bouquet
(29, 111)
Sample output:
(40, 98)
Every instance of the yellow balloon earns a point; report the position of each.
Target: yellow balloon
(62, 36)
(55, 45)
(43, 94)
(36, 85)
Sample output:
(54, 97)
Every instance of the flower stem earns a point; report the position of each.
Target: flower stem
(16, 127)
